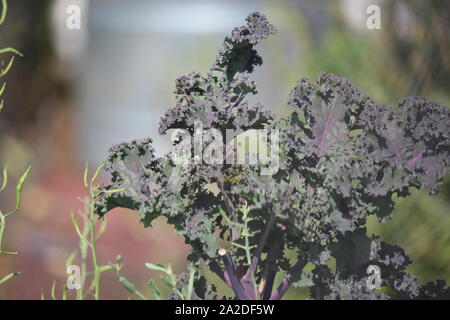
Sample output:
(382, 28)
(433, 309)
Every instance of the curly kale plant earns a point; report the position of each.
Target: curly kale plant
(341, 158)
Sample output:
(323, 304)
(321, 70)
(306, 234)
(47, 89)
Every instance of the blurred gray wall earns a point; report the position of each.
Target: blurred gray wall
(124, 60)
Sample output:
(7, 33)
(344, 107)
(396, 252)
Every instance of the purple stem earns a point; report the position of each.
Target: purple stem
(261, 243)
(397, 153)
(223, 275)
(327, 126)
(235, 283)
(247, 278)
(415, 159)
(270, 268)
(286, 283)
(228, 202)
(248, 288)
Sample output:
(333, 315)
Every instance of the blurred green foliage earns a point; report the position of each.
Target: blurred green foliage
(421, 225)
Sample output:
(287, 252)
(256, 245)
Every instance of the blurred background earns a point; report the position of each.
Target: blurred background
(77, 91)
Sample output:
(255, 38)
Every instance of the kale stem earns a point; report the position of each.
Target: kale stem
(286, 283)
(223, 275)
(253, 262)
(236, 285)
(270, 267)
(262, 242)
(251, 271)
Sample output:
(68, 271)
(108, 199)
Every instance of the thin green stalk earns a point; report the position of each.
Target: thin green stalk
(93, 193)
(88, 234)
(246, 247)
(84, 249)
(93, 247)
(4, 11)
(3, 216)
(9, 277)
(2, 228)
(84, 256)
(88, 237)
(247, 252)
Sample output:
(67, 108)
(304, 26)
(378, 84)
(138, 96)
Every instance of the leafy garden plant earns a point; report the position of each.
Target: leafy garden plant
(341, 159)
(4, 69)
